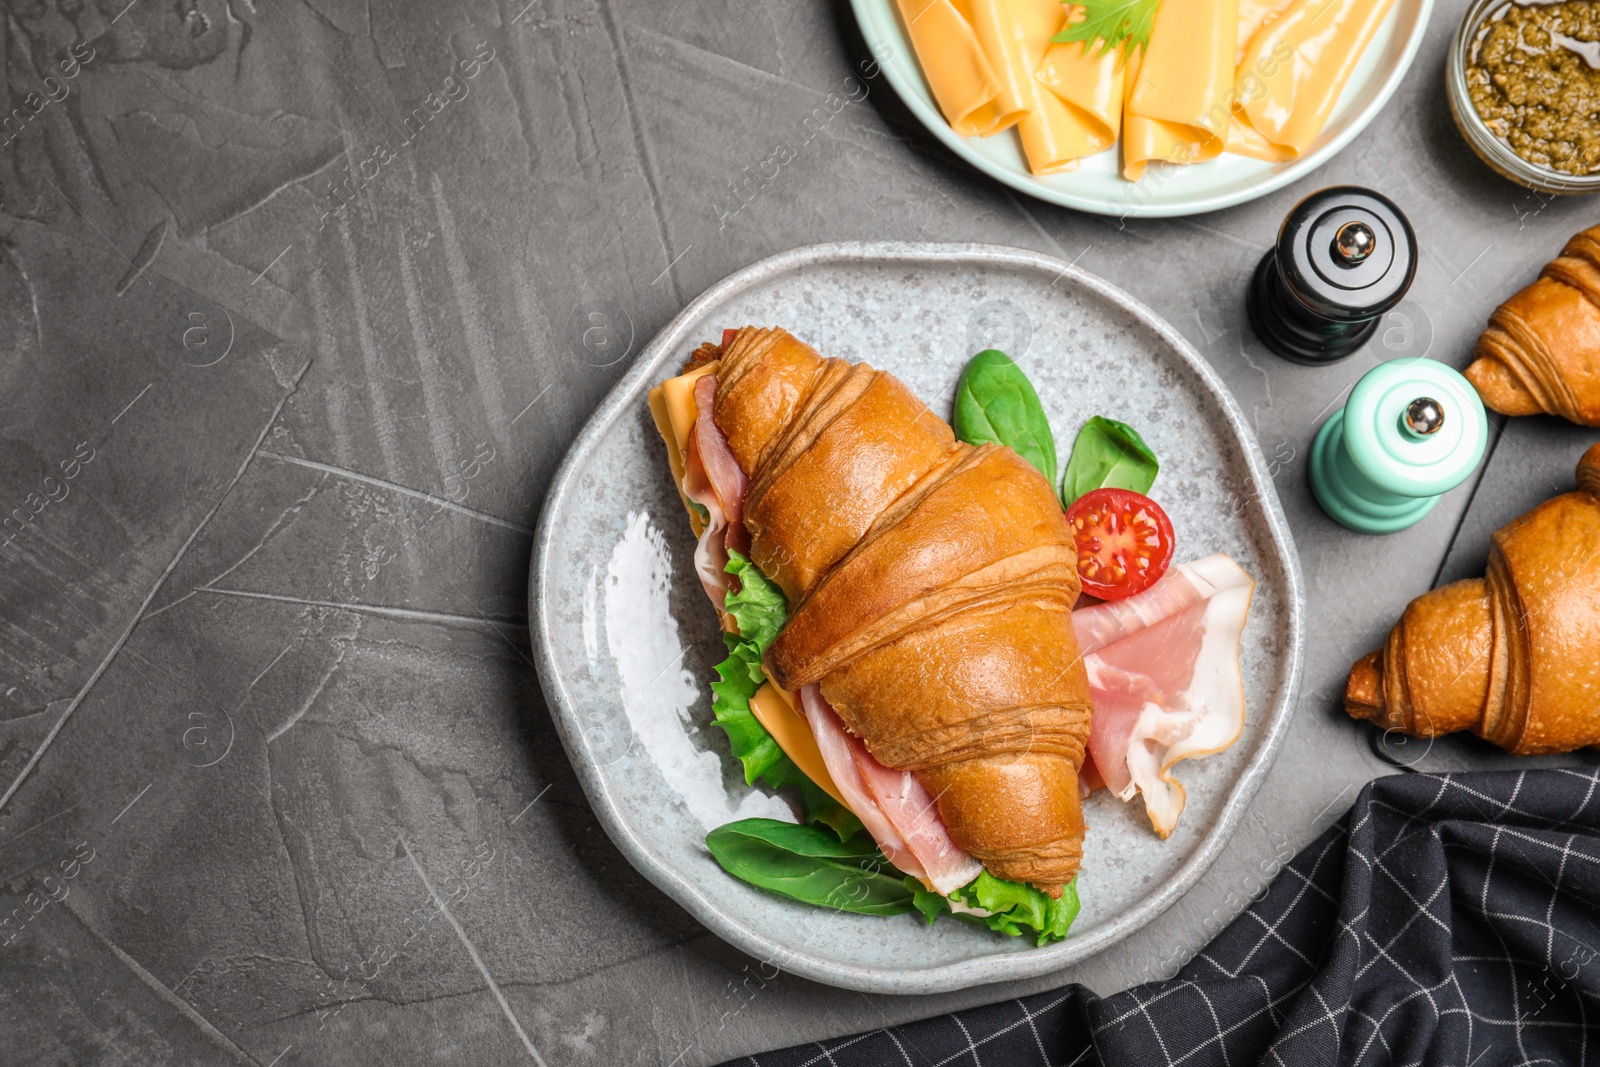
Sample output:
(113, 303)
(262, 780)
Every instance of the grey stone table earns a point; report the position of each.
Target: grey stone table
(297, 313)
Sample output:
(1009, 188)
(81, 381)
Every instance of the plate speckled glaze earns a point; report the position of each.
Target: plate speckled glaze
(1097, 185)
(626, 641)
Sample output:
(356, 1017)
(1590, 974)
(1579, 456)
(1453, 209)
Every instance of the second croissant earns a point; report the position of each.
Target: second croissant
(1513, 656)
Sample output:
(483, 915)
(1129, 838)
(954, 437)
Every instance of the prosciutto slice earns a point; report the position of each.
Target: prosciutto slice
(896, 808)
(1164, 675)
(713, 479)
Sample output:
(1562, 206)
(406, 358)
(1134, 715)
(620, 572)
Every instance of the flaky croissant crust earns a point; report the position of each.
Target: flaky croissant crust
(1541, 352)
(931, 586)
(1513, 656)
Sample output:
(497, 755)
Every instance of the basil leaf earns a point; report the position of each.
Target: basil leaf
(996, 403)
(807, 864)
(1108, 453)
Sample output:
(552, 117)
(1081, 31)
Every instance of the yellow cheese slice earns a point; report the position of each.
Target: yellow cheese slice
(673, 408)
(1015, 35)
(1090, 84)
(959, 75)
(775, 710)
(1297, 65)
(1179, 101)
(995, 31)
(1244, 140)
(1254, 14)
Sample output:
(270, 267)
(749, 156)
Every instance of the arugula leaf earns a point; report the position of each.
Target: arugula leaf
(1014, 908)
(760, 610)
(1112, 22)
(995, 402)
(1108, 453)
(807, 864)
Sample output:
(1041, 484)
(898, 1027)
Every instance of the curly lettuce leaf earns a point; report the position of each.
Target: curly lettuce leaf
(740, 676)
(758, 606)
(760, 610)
(1015, 909)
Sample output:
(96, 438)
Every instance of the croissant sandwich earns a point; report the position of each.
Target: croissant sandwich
(1541, 352)
(898, 610)
(1513, 656)
(929, 586)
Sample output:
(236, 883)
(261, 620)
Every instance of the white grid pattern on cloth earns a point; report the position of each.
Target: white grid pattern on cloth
(1436, 925)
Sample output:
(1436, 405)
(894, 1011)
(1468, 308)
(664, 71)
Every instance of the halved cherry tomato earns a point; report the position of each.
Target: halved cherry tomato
(1124, 542)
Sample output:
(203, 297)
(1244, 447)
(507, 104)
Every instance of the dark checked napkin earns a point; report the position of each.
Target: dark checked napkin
(1446, 921)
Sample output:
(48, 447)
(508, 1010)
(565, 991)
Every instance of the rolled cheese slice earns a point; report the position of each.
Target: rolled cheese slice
(1297, 64)
(1089, 80)
(1180, 97)
(958, 71)
(1016, 36)
(1254, 14)
(1243, 138)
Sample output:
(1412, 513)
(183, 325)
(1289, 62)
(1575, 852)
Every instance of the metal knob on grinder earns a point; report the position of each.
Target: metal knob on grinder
(1345, 256)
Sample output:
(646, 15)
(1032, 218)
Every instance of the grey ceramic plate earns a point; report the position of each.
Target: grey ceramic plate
(626, 641)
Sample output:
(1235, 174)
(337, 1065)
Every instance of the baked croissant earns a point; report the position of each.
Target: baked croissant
(1514, 656)
(931, 586)
(1541, 352)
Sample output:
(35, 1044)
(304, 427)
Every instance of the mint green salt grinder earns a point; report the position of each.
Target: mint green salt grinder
(1412, 430)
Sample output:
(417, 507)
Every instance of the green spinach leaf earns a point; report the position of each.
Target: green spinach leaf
(996, 403)
(1108, 453)
(805, 863)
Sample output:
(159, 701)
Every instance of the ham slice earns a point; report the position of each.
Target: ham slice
(896, 808)
(1165, 679)
(713, 479)
(722, 471)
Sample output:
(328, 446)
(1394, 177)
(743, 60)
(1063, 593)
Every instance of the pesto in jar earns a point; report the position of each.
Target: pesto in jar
(1532, 84)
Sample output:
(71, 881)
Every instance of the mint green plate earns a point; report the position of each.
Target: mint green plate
(1096, 186)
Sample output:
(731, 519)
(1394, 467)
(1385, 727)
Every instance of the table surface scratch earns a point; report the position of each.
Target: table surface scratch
(298, 304)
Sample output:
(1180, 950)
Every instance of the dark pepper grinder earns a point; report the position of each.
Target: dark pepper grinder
(1345, 256)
